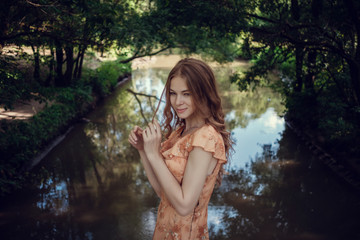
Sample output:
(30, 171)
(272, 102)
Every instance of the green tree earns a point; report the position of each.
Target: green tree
(312, 45)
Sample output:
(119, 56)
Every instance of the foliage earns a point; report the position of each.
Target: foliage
(12, 85)
(59, 33)
(105, 78)
(312, 45)
(20, 140)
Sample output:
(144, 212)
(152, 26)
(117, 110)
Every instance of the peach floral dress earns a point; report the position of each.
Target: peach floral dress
(175, 150)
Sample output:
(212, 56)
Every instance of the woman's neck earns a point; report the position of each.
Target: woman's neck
(187, 130)
(193, 123)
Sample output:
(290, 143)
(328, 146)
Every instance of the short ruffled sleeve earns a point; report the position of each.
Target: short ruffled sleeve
(211, 141)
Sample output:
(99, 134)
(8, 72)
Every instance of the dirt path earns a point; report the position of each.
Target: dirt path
(22, 111)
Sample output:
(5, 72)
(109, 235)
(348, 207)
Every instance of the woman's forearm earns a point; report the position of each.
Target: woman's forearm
(150, 173)
(184, 196)
(168, 183)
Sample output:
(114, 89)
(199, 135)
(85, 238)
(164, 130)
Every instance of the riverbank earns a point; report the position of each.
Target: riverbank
(24, 139)
(345, 169)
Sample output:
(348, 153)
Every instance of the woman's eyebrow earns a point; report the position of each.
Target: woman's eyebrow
(187, 90)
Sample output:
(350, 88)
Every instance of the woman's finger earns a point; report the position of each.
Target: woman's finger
(158, 128)
(137, 128)
(131, 141)
(139, 131)
(154, 126)
(150, 128)
(146, 132)
(132, 135)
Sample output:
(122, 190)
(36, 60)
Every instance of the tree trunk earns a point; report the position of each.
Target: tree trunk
(354, 67)
(4, 26)
(59, 62)
(310, 76)
(51, 67)
(69, 51)
(299, 56)
(75, 73)
(36, 62)
(295, 10)
(81, 61)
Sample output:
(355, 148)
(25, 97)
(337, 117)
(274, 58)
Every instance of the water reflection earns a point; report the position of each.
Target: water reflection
(286, 194)
(92, 186)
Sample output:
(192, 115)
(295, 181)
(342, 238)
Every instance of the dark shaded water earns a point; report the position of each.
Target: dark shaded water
(92, 185)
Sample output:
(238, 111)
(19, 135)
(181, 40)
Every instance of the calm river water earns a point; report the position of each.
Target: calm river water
(92, 185)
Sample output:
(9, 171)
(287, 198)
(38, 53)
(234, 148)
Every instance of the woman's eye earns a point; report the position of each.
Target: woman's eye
(187, 94)
(172, 93)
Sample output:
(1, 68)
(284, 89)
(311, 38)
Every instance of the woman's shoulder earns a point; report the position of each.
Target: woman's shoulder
(210, 128)
(208, 131)
(208, 138)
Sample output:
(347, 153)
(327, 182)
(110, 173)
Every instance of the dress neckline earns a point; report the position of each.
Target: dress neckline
(181, 130)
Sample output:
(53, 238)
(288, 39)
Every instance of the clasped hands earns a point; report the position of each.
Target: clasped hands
(148, 140)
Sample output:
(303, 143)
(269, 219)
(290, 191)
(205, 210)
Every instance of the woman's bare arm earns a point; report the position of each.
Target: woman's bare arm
(150, 173)
(185, 196)
(137, 141)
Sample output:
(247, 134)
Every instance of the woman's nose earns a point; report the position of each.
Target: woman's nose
(179, 100)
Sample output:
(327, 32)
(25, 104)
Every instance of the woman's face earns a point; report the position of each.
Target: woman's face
(181, 98)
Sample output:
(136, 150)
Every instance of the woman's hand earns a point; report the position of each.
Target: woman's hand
(152, 139)
(136, 138)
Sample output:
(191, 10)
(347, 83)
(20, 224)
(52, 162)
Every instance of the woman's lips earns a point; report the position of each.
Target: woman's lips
(181, 110)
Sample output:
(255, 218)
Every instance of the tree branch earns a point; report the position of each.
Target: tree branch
(39, 5)
(143, 55)
(355, 18)
(262, 18)
(143, 94)
(138, 100)
(321, 45)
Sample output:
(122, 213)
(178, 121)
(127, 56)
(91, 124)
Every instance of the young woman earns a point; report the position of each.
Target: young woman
(184, 168)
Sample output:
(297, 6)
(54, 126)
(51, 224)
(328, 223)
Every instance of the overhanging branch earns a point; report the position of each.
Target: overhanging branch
(143, 55)
(139, 102)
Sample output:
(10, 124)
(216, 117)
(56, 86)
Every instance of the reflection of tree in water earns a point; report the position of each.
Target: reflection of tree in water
(96, 188)
(110, 132)
(286, 195)
(241, 107)
(91, 190)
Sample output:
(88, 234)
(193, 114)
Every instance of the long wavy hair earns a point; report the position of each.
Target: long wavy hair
(201, 82)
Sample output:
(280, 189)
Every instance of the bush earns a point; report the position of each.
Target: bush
(339, 124)
(302, 109)
(105, 78)
(12, 84)
(329, 117)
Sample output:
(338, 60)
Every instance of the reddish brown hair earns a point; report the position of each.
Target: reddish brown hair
(201, 82)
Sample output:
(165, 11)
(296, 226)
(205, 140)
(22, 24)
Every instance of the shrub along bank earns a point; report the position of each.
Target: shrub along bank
(21, 140)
